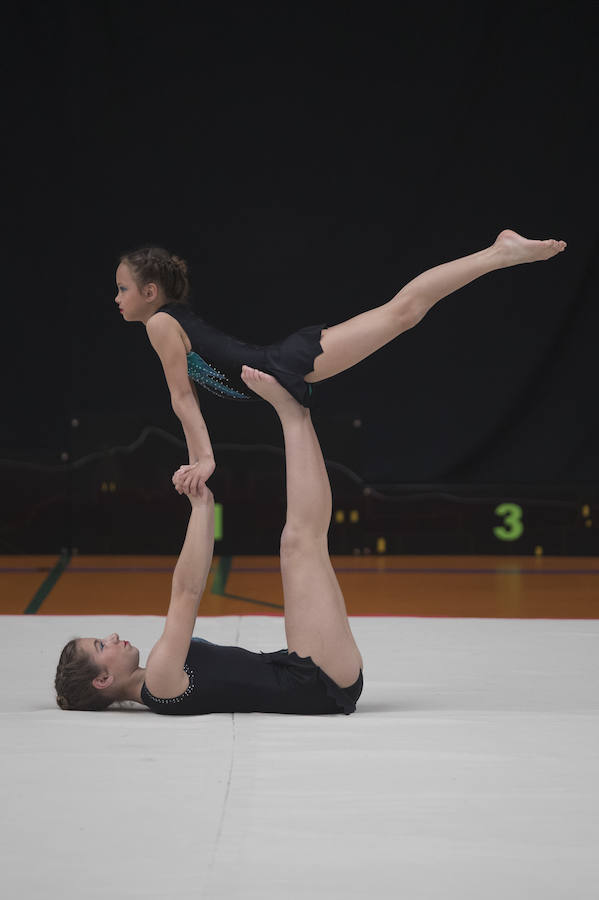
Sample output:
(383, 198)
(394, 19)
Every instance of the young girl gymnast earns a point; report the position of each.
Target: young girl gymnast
(152, 288)
(319, 672)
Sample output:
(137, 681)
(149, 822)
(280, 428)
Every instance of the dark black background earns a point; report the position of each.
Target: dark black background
(308, 160)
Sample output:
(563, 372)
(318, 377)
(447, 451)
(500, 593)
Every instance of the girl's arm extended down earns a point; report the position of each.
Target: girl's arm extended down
(167, 342)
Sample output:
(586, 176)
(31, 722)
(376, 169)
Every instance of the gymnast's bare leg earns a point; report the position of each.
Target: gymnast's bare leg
(346, 344)
(316, 621)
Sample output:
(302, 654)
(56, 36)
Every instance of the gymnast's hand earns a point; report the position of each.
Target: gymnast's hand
(192, 478)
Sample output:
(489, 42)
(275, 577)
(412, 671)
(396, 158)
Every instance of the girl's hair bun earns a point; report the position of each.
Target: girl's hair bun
(157, 265)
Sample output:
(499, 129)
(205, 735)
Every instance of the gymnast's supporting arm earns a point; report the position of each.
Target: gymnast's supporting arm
(165, 339)
(165, 676)
(187, 409)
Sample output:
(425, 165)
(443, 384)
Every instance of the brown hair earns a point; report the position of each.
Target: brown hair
(73, 683)
(154, 264)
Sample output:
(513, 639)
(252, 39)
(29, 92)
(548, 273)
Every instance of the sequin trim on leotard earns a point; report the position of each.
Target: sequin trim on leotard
(211, 379)
(181, 697)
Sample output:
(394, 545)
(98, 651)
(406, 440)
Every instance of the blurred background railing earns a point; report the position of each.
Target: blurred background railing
(120, 500)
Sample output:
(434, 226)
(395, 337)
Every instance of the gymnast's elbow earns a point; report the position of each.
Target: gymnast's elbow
(184, 402)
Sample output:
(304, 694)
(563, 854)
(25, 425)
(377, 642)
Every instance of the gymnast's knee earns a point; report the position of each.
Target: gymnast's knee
(406, 309)
(298, 541)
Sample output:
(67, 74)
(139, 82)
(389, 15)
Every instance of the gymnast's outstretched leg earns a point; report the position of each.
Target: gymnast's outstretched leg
(316, 621)
(346, 344)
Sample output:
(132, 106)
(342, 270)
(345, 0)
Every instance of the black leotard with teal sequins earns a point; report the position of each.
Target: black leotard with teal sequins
(216, 358)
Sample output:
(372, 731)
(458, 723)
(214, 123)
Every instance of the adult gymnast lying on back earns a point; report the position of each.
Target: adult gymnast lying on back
(152, 288)
(319, 672)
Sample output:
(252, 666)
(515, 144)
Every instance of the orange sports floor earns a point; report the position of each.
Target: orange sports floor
(463, 586)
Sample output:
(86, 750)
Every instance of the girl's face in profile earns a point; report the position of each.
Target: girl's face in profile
(119, 658)
(130, 300)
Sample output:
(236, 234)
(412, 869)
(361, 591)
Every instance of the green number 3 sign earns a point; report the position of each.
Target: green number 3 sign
(512, 527)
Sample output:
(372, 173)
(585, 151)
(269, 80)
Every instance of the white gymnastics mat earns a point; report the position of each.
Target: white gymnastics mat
(470, 770)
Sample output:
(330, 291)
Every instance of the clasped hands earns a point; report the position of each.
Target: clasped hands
(191, 479)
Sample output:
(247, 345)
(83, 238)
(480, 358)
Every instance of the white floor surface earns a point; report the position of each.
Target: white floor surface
(471, 770)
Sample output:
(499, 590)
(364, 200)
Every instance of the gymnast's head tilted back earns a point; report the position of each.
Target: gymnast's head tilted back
(92, 673)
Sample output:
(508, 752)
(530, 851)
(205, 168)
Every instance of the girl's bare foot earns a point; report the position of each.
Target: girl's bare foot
(514, 249)
(267, 387)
